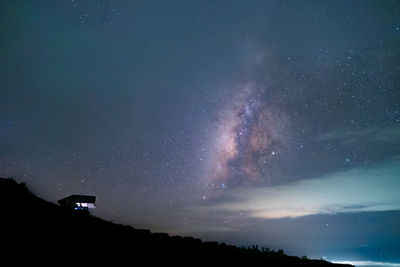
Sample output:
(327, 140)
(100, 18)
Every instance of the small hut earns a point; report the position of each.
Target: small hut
(78, 202)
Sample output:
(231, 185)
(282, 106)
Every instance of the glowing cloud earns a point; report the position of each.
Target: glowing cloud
(355, 190)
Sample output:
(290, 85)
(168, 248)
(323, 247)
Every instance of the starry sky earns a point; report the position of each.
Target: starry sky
(250, 122)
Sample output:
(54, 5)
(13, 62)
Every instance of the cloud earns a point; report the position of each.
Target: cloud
(355, 190)
(374, 135)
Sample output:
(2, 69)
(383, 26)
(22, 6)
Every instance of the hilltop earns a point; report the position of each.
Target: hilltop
(35, 230)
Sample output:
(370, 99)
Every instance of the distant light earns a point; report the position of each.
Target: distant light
(367, 263)
(273, 153)
(347, 160)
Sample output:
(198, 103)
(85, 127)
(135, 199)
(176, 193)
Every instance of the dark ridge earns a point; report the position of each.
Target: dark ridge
(34, 230)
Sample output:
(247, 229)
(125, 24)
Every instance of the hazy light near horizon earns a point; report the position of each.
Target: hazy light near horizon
(368, 263)
(355, 190)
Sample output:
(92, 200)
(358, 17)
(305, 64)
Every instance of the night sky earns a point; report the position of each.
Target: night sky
(250, 122)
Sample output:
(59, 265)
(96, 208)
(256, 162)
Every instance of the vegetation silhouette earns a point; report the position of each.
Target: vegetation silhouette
(36, 230)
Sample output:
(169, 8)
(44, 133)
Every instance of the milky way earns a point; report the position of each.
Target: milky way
(250, 137)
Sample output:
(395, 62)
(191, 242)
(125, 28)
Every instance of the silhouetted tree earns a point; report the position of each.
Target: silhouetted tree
(265, 250)
(281, 252)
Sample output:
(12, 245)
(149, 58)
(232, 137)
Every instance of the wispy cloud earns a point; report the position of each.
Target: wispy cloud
(377, 135)
(355, 190)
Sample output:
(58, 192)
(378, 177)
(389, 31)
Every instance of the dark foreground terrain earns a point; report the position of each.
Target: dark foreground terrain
(36, 231)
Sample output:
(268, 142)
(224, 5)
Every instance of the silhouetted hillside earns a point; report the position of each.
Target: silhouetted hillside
(34, 230)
